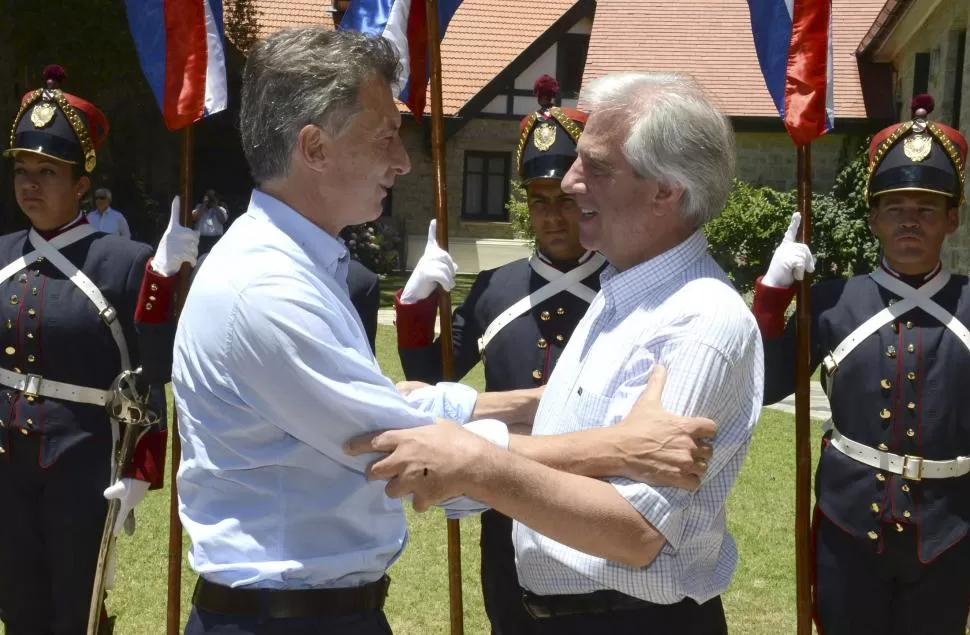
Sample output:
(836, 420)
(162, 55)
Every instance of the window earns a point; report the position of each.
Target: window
(958, 78)
(486, 186)
(570, 63)
(921, 73)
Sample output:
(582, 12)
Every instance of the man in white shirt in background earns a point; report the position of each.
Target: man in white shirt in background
(654, 164)
(106, 218)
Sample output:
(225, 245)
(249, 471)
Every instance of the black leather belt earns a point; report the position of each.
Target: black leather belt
(280, 604)
(543, 606)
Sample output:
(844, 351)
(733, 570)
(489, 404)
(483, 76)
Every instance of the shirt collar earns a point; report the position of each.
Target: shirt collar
(625, 289)
(568, 266)
(319, 246)
(914, 281)
(50, 233)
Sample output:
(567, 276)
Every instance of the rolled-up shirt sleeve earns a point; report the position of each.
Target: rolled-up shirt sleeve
(701, 381)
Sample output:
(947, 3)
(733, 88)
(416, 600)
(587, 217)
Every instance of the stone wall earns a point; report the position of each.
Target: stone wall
(768, 158)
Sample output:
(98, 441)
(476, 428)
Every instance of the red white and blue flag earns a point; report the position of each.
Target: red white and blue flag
(793, 39)
(403, 23)
(181, 48)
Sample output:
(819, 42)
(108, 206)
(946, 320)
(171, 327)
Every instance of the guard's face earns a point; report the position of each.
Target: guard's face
(554, 216)
(369, 153)
(911, 227)
(46, 190)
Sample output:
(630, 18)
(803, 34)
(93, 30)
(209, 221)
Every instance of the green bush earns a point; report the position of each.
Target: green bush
(518, 209)
(375, 245)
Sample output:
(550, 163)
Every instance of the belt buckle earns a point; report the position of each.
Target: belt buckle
(108, 315)
(831, 366)
(32, 385)
(912, 468)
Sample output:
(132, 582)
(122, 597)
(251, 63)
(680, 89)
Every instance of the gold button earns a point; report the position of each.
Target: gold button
(884, 414)
(905, 487)
(875, 508)
(30, 399)
(892, 301)
(152, 298)
(911, 405)
(31, 312)
(17, 370)
(911, 348)
(23, 431)
(9, 324)
(911, 433)
(895, 327)
(909, 324)
(40, 259)
(2, 450)
(537, 374)
(911, 376)
(10, 350)
(899, 527)
(544, 316)
(33, 291)
(542, 343)
(154, 287)
(883, 447)
(14, 299)
(891, 352)
(885, 384)
(30, 335)
(560, 338)
(560, 311)
(880, 477)
(148, 306)
(31, 358)
(907, 514)
(873, 535)
(30, 421)
(23, 278)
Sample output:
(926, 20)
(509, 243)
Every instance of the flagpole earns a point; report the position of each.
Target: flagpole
(803, 451)
(444, 298)
(173, 621)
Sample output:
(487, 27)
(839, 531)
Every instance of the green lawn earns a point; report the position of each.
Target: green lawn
(761, 600)
(392, 282)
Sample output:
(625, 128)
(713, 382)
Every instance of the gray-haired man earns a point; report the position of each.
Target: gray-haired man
(106, 218)
(616, 556)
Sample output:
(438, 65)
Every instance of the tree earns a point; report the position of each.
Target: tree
(242, 23)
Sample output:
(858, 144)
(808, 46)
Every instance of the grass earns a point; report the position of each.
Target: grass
(391, 282)
(760, 601)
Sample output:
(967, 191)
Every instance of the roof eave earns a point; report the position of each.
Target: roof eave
(882, 27)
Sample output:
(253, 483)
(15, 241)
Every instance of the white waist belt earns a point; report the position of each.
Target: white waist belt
(37, 386)
(913, 468)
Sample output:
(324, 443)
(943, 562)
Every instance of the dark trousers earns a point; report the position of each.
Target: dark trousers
(687, 617)
(861, 592)
(206, 623)
(500, 582)
(50, 532)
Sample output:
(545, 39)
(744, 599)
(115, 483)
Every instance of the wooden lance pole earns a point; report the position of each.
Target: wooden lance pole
(173, 621)
(444, 299)
(803, 451)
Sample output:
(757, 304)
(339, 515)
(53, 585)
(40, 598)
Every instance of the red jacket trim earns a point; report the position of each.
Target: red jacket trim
(156, 297)
(415, 322)
(148, 463)
(769, 306)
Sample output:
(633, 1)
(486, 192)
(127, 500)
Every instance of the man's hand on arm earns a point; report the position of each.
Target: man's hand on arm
(442, 461)
(650, 445)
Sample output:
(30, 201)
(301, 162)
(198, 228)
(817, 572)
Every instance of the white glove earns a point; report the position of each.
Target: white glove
(434, 267)
(791, 259)
(178, 244)
(130, 491)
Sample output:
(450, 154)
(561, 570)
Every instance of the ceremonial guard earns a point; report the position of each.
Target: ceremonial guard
(79, 308)
(516, 319)
(893, 509)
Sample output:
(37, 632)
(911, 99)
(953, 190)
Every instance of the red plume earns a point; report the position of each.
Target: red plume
(922, 102)
(54, 74)
(545, 89)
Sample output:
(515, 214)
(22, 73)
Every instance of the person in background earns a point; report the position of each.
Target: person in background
(210, 219)
(105, 218)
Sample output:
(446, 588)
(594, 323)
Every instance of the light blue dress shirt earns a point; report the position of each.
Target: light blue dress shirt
(272, 375)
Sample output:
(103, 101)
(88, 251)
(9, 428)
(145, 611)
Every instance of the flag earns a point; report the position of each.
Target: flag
(403, 24)
(793, 39)
(180, 46)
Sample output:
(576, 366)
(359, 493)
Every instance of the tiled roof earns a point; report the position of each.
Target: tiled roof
(275, 15)
(711, 40)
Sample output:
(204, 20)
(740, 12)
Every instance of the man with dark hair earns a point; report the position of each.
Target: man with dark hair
(892, 513)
